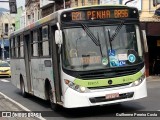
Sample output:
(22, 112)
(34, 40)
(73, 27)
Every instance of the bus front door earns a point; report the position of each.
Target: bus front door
(56, 66)
(27, 58)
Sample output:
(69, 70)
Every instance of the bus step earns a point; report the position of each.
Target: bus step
(60, 103)
(30, 92)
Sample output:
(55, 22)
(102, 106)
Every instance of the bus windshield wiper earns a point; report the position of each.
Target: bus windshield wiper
(90, 34)
(99, 44)
(93, 38)
(117, 31)
(110, 40)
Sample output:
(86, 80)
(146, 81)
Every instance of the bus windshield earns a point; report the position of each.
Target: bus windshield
(115, 48)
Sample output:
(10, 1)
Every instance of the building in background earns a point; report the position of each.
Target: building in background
(150, 22)
(87, 2)
(7, 25)
(113, 2)
(47, 7)
(33, 13)
(20, 20)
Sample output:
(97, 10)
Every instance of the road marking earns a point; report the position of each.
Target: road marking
(18, 104)
(4, 80)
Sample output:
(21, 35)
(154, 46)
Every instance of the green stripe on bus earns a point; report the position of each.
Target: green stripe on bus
(104, 82)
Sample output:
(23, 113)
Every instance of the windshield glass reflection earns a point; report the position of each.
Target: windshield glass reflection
(81, 51)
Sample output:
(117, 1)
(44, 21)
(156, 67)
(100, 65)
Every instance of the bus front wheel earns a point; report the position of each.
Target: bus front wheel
(54, 106)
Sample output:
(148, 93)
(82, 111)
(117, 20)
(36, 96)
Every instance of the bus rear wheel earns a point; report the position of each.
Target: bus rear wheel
(54, 106)
(23, 92)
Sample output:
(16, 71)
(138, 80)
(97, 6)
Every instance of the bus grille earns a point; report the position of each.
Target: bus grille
(110, 86)
(107, 74)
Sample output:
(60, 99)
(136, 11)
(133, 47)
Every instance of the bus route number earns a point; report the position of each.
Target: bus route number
(121, 13)
(76, 15)
(99, 14)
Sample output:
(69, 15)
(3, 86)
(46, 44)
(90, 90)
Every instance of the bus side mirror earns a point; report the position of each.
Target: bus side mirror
(145, 41)
(58, 37)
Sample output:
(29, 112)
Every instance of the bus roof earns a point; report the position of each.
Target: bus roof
(53, 16)
(107, 5)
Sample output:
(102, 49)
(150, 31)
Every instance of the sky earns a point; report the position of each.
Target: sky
(6, 5)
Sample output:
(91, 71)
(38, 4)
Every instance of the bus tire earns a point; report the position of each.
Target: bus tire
(22, 85)
(54, 106)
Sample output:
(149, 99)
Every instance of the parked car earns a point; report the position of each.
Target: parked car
(8, 60)
(5, 69)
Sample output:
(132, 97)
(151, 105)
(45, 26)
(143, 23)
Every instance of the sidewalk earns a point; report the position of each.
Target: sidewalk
(7, 106)
(154, 78)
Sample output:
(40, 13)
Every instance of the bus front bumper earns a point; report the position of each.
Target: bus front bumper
(74, 99)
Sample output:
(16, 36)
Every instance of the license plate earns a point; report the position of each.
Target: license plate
(112, 96)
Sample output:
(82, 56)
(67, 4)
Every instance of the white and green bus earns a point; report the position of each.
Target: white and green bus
(78, 57)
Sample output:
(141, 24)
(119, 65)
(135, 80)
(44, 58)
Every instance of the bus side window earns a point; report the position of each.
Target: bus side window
(34, 44)
(45, 41)
(18, 46)
(21, 47)
(40, 50)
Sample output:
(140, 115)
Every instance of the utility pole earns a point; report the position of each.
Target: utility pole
(2, 46)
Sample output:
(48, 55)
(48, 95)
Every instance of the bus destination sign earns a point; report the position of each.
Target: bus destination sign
(98, 14)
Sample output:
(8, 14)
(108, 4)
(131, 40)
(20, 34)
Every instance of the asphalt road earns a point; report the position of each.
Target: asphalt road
(151, 103)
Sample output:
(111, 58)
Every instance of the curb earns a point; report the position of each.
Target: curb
(153, 78)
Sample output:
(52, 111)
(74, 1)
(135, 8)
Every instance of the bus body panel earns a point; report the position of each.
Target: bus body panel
(36, 76)
(74, 99)
(39, 74)
(46, 74)
(15, 72)
(17, 69)
(23, 73)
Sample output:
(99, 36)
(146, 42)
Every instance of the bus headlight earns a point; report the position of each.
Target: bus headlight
(78, 88)
(83, 89)
(138, 81)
